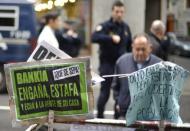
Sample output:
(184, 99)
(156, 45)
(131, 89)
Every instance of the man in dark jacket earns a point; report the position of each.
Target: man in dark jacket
(140, 58)
(69, 42)
(114, 38)
(160, 44)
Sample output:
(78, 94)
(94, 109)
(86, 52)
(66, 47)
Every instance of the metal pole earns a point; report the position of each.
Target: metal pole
(161, 125)
(50, 120)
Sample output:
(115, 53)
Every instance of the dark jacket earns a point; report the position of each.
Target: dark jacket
(68, 44)
(159, 47)
(126, 64)
(109, 51)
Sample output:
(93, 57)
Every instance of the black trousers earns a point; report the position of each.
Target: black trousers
(105, 69)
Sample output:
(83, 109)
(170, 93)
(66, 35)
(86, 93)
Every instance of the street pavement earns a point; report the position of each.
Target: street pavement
(5, 120)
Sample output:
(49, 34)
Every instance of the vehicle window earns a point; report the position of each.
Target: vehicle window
(9, 17)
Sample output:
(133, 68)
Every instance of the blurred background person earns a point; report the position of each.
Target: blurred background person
(140, 58)
(114, 39)
(160, 42)
(69, 40)
(52, 23)
(41, 24)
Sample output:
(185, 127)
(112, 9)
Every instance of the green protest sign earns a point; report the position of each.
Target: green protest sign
(51, 85)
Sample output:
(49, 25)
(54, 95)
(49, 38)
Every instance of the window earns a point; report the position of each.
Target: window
(188, 3)
(188, 28)
(9, 17)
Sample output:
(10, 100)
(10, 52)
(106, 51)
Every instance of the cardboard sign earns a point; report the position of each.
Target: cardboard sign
(45, 51)
(155, 93)
(60, 85)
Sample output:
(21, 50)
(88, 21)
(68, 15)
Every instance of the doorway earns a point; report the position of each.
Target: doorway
(152, 12)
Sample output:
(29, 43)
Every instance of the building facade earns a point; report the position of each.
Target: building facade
(181, 12)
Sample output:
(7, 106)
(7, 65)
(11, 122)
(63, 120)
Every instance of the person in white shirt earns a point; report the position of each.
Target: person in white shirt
(53, 22)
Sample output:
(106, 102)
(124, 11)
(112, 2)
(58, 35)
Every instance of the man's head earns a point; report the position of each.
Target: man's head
(141, 48)
(53, 20)
(158, 29)
(118, 11)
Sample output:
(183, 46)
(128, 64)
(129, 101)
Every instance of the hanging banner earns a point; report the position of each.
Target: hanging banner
(155, 93)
